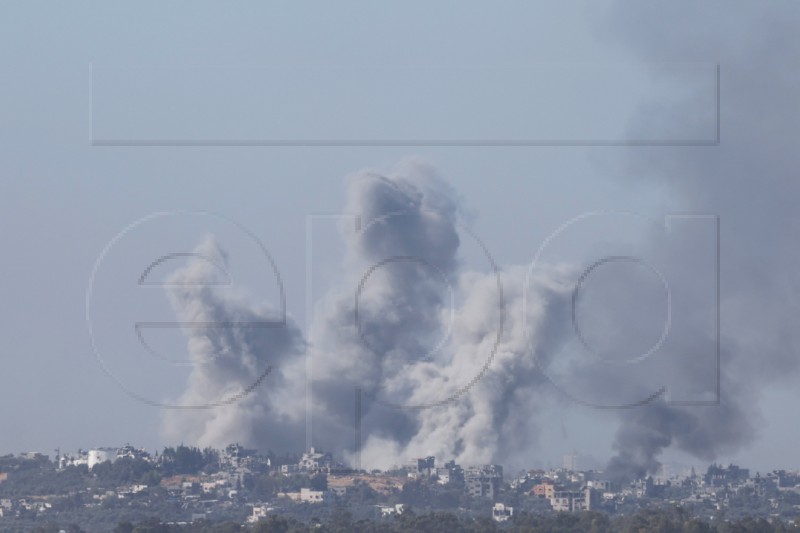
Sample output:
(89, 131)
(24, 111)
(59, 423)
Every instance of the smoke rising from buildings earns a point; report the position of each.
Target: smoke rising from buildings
(239, 360)
(750, 181)
(445, 363)
(450, 365)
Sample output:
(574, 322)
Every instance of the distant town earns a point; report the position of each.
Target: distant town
(109, 489)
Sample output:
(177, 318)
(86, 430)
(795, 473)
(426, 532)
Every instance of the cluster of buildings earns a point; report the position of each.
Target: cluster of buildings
(95, 456)
(565, 490)
(483, 481)
(9, 507)
(214, 492)
(313, 462)
(775, 495)
(243, 460)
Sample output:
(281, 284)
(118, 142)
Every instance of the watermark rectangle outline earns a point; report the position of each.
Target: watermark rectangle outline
(718, 351)
(244, 143)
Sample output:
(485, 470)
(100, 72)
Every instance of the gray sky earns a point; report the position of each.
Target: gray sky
(73, 71)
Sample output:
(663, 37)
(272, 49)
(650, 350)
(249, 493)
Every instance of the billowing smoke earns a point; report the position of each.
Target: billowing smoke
(444, 360)
(750, 181)
(239, 363)
(440, 355)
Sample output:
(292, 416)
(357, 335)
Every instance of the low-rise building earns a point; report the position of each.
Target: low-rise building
(260, 512)
(289, 469)
(305, 495)
(101, 455)
(315, 461)
(501, 512)
(545, 489)
(389, 510)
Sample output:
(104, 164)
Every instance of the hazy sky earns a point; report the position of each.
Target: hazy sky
(283, 70)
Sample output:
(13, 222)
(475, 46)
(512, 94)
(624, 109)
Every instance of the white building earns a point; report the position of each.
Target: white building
(443, 475)
(101, 455)
(260, 512)
(314, 460)
(305, 495)
(391, 510)
(501, 513)
(81, 458)
(289, 469)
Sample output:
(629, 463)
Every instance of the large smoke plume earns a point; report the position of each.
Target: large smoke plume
(232, 354)
(442, 357)
(750, 181)
(471, 396)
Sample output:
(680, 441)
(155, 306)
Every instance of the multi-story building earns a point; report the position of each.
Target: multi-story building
(451, 473)
(305, 495)
(421, 467)
(315, 461)
(483, 481)
(569, 501)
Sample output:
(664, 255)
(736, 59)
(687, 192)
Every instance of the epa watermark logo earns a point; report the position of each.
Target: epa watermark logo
(635, 316)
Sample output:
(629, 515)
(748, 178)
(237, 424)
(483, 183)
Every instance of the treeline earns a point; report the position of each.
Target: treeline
(266, 486)
(180, 460)
(646, 521)
(189, 460)
(29, 477)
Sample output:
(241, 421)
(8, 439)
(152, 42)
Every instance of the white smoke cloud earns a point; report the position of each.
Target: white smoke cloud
(445, 363)
(237, 362)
